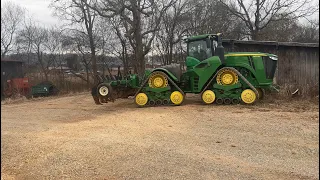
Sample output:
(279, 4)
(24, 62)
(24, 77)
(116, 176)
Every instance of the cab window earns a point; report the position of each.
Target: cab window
(199, 50)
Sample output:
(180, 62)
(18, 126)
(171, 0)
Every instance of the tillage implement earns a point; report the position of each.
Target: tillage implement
(219, 77)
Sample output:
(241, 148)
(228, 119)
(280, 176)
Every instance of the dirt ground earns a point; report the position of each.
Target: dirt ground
(72, 138)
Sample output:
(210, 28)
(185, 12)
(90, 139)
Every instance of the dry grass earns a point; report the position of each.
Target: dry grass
(23, 99)
(307, 91)
(65, 83)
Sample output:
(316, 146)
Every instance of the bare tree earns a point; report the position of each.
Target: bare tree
(308, 33)
(79, 13)
(53, 44)
(37, 37)
(282, 30)
(141, 19)
(78, 44)
(108, 43)
(81, 45)
(210, 16)
(123, 50)
(258, 14)
(173, 26)
(25, 46)
(11, 17)
(54, 49)
(193, 17)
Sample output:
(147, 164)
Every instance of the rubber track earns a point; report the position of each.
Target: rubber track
(175, 85)
(239, 74)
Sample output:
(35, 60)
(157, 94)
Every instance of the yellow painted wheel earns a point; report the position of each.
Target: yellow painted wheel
(176, 97)
(141, 99)
(158, 80)
(227, 77)
(248, 96)
(208, 97)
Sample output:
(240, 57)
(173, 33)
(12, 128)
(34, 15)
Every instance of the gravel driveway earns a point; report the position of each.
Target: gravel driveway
(72, 138)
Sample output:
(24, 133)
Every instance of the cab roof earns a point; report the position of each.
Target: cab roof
(203, 36)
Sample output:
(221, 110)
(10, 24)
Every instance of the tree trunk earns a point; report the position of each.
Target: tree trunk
(170, 53)
(124, 59)
(254, 35)
(93, 59)
(139, 52)
(139, 55)
(109, 71)
(39, 54)
(46, 75)
(103, 71)
(88, 80)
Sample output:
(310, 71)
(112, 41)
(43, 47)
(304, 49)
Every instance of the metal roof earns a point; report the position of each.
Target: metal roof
(10, 60)
(271, 43)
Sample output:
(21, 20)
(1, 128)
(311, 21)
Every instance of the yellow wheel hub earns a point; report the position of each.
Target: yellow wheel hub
(176, 97)
(141, 99)
(227, 77)
(208, 97)
(248, 96)
(158, 80)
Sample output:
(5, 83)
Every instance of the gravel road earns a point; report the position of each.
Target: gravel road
(72, 138)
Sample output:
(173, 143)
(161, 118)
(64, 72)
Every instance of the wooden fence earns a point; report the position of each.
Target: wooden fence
(298, 63)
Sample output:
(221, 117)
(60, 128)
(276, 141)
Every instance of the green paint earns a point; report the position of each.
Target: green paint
(226, 88)
(167, 72)
(157, 90)
(191, 62)
(157, 95)
(204, 70)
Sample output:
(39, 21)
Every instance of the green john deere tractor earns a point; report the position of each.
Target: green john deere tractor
(221, 78)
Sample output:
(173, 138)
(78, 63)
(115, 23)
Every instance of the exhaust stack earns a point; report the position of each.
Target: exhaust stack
(220, 48)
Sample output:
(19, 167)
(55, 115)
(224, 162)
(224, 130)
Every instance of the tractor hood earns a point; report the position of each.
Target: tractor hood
(273, 56)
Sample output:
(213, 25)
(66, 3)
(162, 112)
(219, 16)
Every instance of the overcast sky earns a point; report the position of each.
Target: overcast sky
(40, 11)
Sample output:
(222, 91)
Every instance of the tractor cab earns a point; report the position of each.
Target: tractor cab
(202, 47)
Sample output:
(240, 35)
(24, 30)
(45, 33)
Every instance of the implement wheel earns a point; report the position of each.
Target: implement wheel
(227, 77)
(158, 80)
(103, 89)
